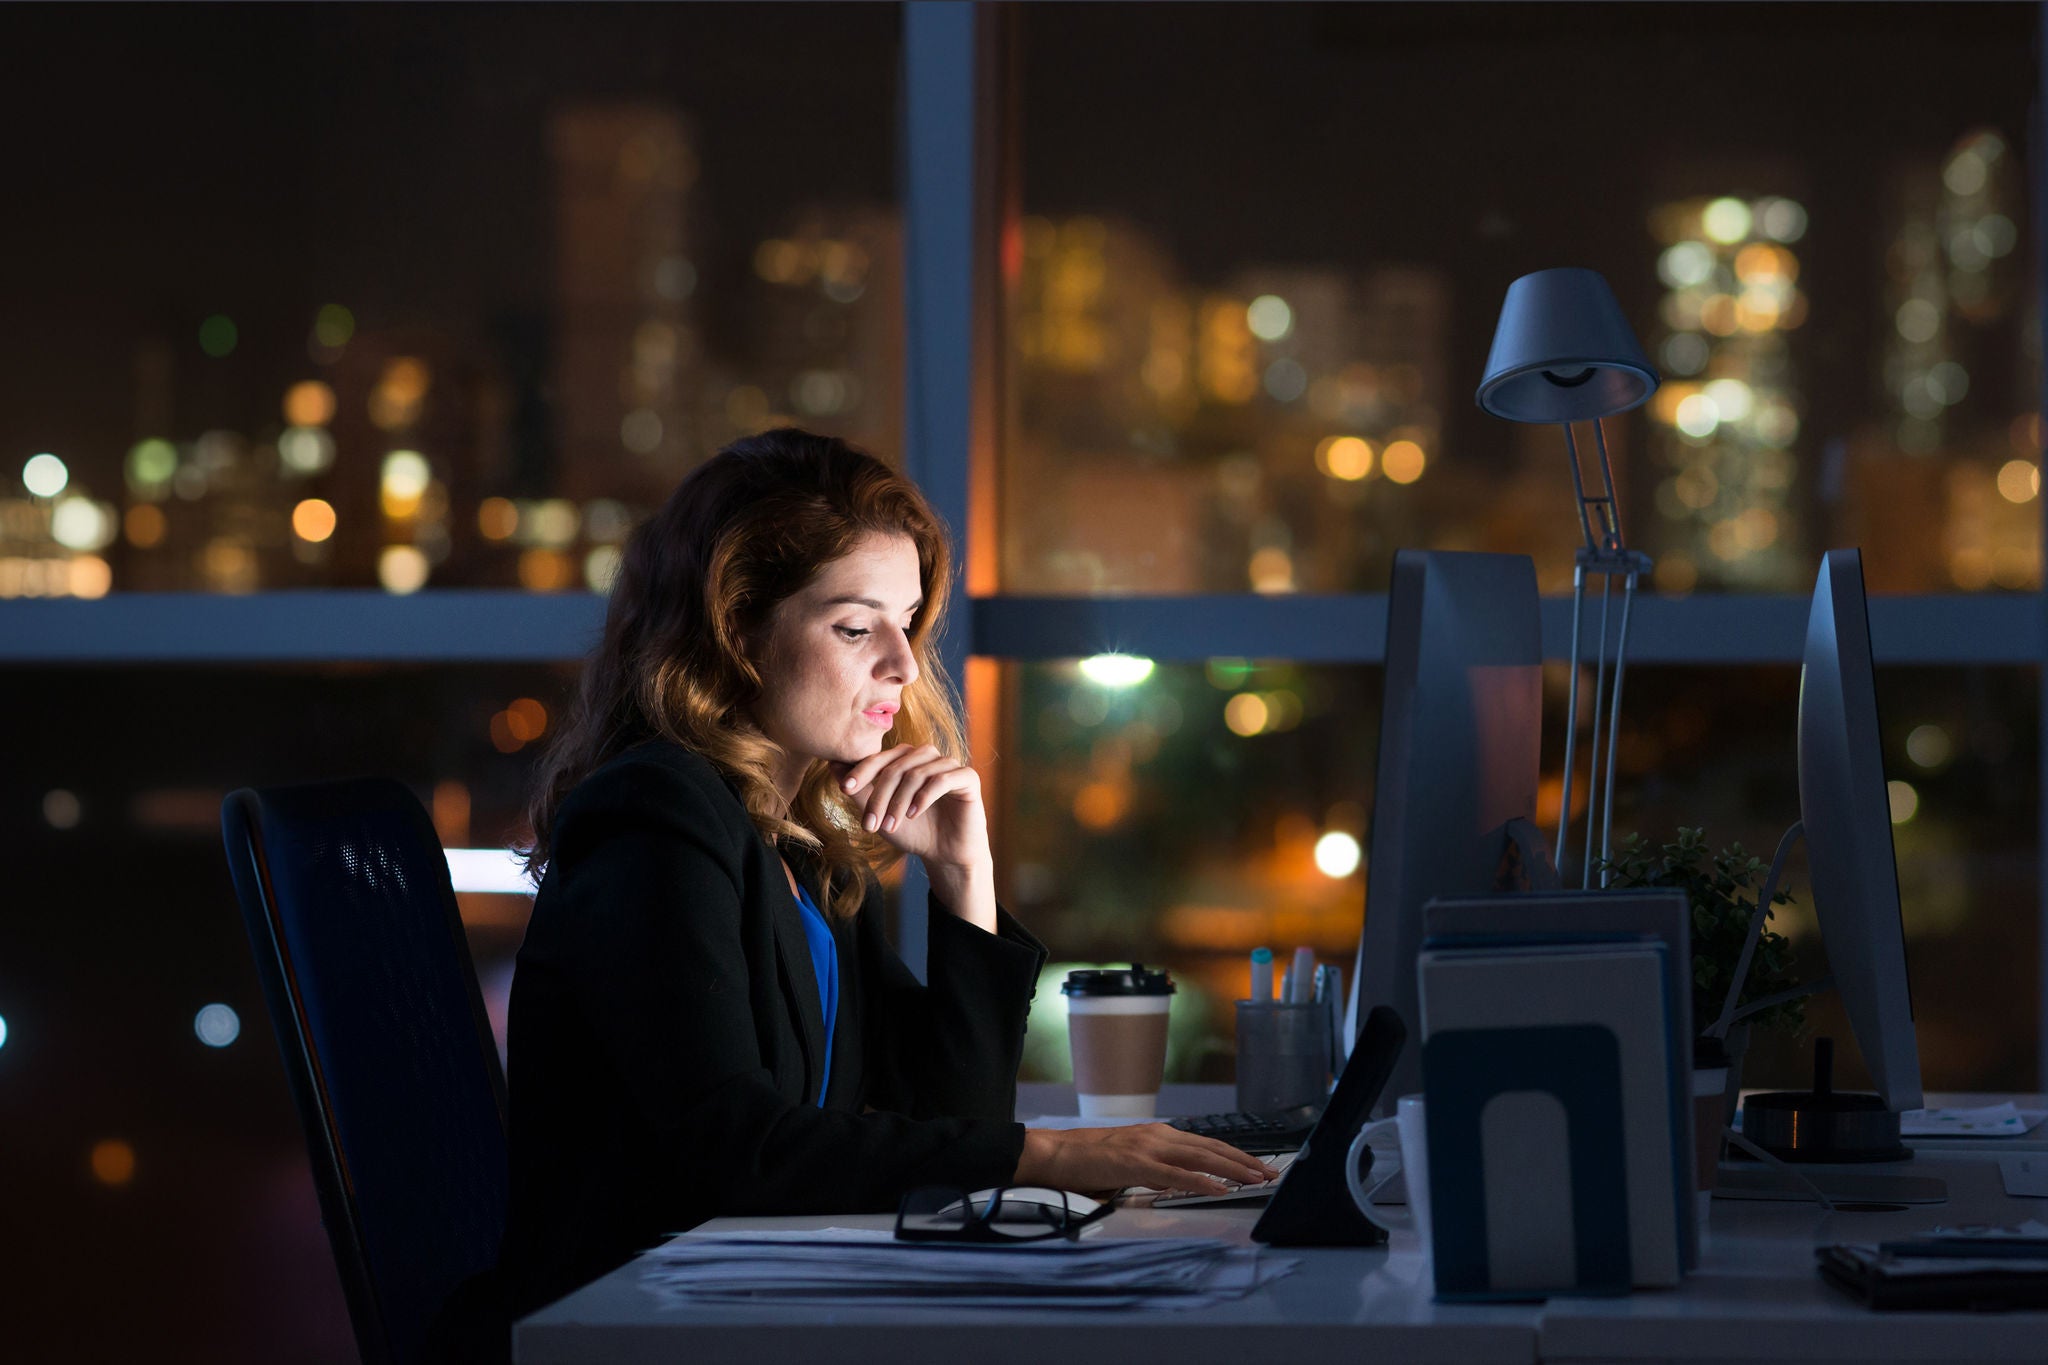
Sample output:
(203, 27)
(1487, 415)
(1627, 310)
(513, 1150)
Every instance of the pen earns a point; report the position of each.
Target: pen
(1302, 976)
(1262, 973)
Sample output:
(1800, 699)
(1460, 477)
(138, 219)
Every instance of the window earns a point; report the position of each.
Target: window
(359, 297)
(1270, 339)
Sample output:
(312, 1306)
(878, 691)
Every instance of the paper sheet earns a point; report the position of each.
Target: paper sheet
(1990, 1121)
(847, 1267)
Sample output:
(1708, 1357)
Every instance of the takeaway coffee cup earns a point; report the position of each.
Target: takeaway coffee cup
(1116, 1026)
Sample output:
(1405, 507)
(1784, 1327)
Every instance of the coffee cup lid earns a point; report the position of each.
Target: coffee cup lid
(1137, 979)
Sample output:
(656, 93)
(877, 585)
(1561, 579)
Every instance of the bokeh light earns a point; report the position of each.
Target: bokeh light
(497, 518)
(1929, 746)
(313, 520)
(333, 326)
(113, 1162)
(1904, 801)
(305, 450)
(217, 336)
(151, 465)
(309, 403)
(1345, 457)
(145, 524)
(1337, 854)
(1403, 461)
(402, 569)
(1246, 714)
(61, 808)
(2019, 480)
(1116, 670)
(82, 524)
(1726, 220)
(217, 1025)
(44, 475)
(1269, 317)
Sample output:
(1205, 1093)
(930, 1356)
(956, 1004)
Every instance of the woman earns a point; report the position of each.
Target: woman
(706, 1018)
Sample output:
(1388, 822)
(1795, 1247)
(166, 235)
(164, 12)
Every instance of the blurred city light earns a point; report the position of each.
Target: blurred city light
(601, 568)
(2019, 480)
(1116, 670)
(309, 403)
(113, 1162)
(1269, 317)
(82, 524)
(1337, 854)
(305, 450)
(1726, 220)
(1403, 461)
(217, 336)
(333, 325)
(44, 475)
(497, 518)
(217, 1025)
(3, 1030)
(1929, 746)
(1905, 802)
(402, 569)
(313, 520)
(151, 464)
(1344, 457)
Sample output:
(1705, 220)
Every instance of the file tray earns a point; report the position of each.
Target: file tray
(1888, 1281)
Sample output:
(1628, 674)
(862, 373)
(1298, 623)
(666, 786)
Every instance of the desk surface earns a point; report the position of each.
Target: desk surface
(1347, 1306)
(1756, 1297)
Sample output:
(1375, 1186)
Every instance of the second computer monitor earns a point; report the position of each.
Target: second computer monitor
(1460, 744)
(1847, 813)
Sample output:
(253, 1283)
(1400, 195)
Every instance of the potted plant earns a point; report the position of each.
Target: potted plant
(1722, 889)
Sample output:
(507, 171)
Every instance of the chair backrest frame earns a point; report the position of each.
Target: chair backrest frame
(243, 819)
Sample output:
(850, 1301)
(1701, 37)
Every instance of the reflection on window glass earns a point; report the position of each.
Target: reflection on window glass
(1192, 814)
(459, 324)
(1270, 340)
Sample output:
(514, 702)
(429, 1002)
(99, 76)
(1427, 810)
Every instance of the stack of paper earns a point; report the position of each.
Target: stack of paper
(854, 1268)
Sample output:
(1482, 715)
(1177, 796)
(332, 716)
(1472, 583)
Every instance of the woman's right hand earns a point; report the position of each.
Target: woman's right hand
(1154, 1154)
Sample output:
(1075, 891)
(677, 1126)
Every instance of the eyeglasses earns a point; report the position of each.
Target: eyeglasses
(939, 1213)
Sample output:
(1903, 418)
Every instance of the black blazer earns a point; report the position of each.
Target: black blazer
(666, 1040)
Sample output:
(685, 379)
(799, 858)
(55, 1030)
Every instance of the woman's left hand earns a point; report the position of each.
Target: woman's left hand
(923, 803)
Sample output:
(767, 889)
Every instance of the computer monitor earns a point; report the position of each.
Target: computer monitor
(1847, 813)
(1460, 744)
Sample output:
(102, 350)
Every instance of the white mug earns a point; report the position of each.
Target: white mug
(1410, 1122)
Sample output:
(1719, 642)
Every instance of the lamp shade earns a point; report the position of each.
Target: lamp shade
(1563, 352)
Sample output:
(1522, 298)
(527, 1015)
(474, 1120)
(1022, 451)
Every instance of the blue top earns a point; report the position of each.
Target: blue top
(825, 965)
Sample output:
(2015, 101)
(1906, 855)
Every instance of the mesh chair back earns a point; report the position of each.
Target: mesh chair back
(359, 944)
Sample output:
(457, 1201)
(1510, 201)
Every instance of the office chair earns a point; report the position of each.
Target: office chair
(345, 892)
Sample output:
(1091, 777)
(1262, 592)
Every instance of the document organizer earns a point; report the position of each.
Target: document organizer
(1558, 1160)
(1313, 1206)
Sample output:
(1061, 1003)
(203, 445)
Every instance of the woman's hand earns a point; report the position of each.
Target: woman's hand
(1153, 1154)
(923, 803)
(929, 806)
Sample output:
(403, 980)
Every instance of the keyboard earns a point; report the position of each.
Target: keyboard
(1280, 1131)
(1238, 1192)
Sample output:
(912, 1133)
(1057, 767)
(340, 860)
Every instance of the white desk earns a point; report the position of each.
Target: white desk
(1756, 1297)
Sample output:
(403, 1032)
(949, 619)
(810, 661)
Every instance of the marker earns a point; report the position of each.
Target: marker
(1262, 974)
(1303, 976)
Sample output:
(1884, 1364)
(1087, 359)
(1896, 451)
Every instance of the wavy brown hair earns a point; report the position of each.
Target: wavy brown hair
(743, 532)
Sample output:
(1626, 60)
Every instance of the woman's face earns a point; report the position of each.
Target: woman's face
(835, 656)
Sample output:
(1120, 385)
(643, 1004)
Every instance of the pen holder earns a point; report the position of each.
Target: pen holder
(1283, 1055)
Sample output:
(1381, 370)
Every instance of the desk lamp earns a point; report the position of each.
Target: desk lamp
(1564, 353)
